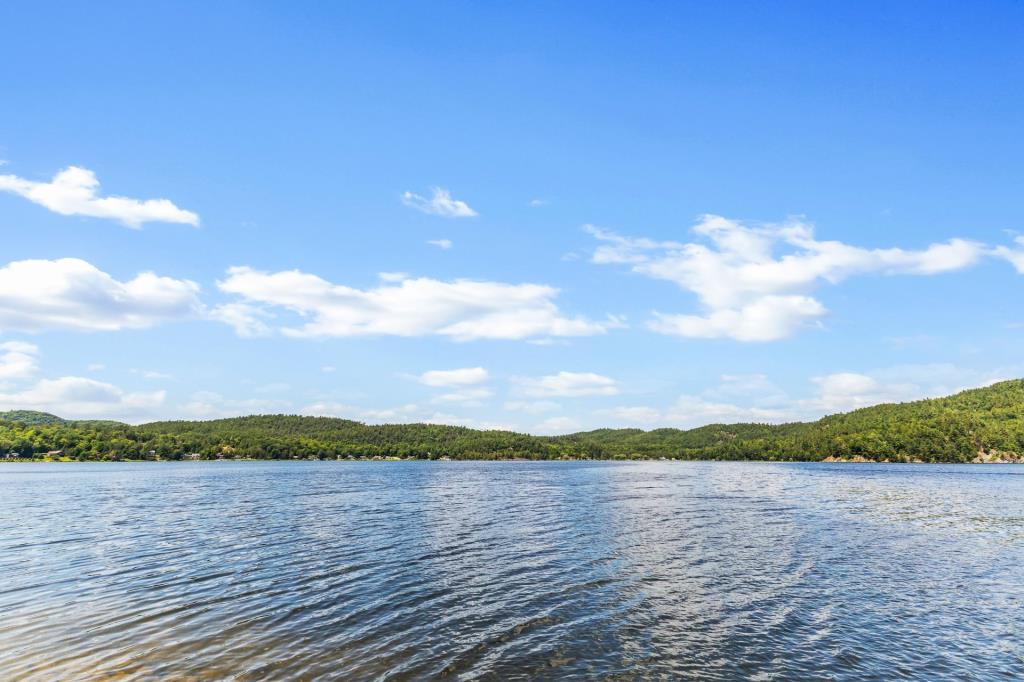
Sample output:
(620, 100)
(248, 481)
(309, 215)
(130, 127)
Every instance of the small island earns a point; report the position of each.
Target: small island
(984, 425)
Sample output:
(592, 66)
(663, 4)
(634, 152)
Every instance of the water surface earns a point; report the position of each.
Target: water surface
(504, 571)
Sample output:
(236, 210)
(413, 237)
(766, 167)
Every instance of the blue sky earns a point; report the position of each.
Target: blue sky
(518, 215)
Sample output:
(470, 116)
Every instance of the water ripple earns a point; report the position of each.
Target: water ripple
(510, 571)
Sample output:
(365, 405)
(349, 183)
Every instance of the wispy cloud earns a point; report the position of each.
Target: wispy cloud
(440, 203)
(441, 243)
(152, 374)
(753, 281)
(74, 191)
(567, 385)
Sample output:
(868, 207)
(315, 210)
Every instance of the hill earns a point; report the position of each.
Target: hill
(30, 417)
(985, 424)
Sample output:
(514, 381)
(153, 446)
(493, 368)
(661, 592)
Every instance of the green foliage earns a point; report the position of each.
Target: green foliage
(952, 429)
(30, 417)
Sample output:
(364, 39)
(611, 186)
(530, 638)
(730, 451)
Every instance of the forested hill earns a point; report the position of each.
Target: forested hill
(985, 424)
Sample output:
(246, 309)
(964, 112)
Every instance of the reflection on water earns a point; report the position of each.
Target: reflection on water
(332, 570)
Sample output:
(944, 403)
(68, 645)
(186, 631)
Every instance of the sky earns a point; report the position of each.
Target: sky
(545, 217)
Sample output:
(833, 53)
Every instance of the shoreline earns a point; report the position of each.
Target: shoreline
(827, 460)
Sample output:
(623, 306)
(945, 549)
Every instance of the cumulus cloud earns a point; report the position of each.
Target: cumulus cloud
(467, 376)
(441, 203)
(18, 360)
(459, 309)
(765, 319)
(567, 385)
(75, 191)
(753, 281)
(444, 244)
(69, 293)
(843, 391)
(465, 381)
(82, 398)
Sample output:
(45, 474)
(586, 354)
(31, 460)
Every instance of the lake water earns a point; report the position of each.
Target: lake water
(505, 571)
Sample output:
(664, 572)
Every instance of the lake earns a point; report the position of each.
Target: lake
(505, 571)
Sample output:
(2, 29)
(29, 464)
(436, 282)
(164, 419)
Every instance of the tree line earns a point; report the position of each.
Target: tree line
(987, 422)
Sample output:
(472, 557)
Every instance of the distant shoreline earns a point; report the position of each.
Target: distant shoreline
(367, 460)
(984, 425)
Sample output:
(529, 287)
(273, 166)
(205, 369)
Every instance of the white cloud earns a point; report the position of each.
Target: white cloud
(466, 382)
(441, 243)
(568, 385)
(766, 319)
(557, 425)
(467, 376)
(390, 414)
(18, 360)
(328, 369)
(151, 374)
(844, 391)
(1015, 256)
(690, 411)
(754, 398)
(247, 320)
(212, 405)
(468, 422)
(537, 203)
(96, 367)
(81, 398)
(69, 293)
(532, 406)
(753, 280)
(441, 203)
(68, 396)
(459, 309)
(329, 409)
(637, 414)
(73, 191)
(466, 396)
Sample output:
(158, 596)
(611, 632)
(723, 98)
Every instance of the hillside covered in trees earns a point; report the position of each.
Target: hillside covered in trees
(985, 424)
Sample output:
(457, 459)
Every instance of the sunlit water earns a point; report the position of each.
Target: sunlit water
(391, 571)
